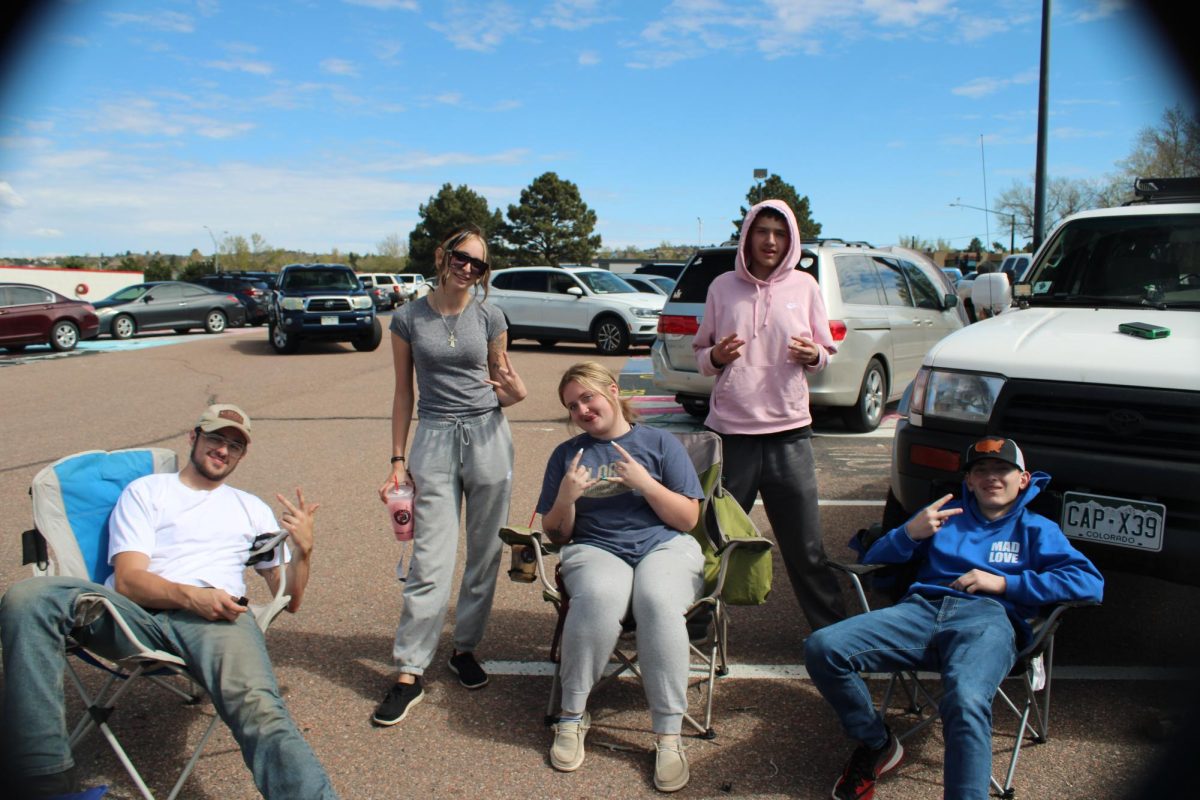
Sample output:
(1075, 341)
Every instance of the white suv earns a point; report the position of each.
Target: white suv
(575, 304)
(1096, 376)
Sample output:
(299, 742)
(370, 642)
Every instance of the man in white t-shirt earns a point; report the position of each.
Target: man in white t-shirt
(178, 546)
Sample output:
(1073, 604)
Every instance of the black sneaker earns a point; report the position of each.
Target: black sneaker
(396, 703)
(866, 765)
(469, 673)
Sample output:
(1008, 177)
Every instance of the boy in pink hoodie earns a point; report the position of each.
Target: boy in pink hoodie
(764, 329)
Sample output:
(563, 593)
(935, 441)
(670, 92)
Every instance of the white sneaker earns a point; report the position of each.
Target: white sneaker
(670, 764)
(566, 754)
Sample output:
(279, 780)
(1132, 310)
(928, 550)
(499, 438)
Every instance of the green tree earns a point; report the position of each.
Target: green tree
(551, 224)
(445, 211)
(975, 246)
(776, 188)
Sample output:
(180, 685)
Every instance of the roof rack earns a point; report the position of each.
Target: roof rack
(1165, 190)
(835, 242)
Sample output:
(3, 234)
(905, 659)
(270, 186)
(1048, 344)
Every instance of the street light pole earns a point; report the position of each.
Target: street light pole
(1012, 222)
(216, 250)
(760, 175)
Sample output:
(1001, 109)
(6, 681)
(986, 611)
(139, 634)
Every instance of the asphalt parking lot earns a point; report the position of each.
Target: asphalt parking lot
(321, 422)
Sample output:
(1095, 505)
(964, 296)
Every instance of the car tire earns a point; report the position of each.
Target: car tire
(547, 343)
(865, 415)
(284, 343)
(370, 340)
(123, 327)
(695, 406)
(611, 336)
(215, 321)
(64, 336)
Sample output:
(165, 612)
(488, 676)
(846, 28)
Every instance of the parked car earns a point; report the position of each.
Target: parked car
(322, 301)
(1014, 266)
(649, 284)
(253, 291)
(953, 273)
(412, 285)
(33, 315)
(1113, 417)
(385, 290)
(886, 309)
(575, 304)
(667, 269)
(168, 304)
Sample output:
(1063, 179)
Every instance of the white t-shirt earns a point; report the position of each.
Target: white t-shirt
(193, 537)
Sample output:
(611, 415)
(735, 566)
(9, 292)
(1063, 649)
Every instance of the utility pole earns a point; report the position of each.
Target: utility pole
(1039, 177)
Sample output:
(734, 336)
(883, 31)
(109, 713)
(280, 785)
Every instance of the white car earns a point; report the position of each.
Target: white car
(412, 285)
(1095, 374)
(575, 304)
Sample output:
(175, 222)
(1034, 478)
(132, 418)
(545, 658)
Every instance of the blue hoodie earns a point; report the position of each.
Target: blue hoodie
(1038, 562)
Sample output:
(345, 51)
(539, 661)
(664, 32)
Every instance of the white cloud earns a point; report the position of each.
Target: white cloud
(778, 28)
(479, 27)
(9, 198)
(1076, 133)
(982, 87)
(572, 15)
(449, 98)
(386, 5)
(589, 58)
(170, 21)
(46, 233)
(339, 66)
(973, 29)
(242, 65)
(1100, 9)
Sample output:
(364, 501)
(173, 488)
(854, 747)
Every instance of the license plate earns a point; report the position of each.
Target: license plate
(329, 320)
(1114, 520)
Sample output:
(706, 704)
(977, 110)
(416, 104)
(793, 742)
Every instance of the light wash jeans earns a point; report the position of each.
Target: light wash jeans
(228, 658)
(970, 641)
(603, 588)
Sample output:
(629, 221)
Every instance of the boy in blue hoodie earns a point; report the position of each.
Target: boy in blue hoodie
(988, 564)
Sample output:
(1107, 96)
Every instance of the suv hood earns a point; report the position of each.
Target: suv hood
(1078, 345)
(636, 300)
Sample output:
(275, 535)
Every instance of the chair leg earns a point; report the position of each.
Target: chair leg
(187, 770)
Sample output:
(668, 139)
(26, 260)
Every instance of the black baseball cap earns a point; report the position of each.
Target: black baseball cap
(996, 447)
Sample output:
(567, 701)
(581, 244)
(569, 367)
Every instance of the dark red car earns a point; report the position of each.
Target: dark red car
(33, 315)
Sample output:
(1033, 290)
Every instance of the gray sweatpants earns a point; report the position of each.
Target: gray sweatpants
(603, 588)
(452, 459)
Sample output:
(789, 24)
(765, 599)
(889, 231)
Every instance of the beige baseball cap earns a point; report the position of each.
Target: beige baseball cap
(224, 415)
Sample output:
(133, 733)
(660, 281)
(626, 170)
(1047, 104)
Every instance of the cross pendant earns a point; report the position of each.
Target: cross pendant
(453, 343)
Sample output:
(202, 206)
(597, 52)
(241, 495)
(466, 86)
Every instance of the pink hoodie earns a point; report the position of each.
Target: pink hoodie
(762, 392)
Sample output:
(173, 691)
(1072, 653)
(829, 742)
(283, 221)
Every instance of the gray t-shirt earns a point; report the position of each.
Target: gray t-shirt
(450, 380)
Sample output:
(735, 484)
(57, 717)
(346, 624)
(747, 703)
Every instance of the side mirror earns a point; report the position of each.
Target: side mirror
(575, 291)
(950, 301)
(147, 299)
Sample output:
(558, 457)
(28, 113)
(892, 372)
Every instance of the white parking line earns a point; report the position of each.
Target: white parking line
(775, 672)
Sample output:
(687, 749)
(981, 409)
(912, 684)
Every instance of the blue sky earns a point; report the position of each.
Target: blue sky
(132, 125)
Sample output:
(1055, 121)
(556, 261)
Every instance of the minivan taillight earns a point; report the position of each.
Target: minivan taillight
(686, 325)
(837, 329)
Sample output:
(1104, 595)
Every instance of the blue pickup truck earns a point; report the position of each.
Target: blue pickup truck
(322, 301)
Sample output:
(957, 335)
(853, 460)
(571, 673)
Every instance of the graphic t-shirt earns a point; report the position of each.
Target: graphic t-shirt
(193, 537)
(611, 516)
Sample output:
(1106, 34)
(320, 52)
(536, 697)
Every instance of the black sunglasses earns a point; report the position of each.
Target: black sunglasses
(477, 265)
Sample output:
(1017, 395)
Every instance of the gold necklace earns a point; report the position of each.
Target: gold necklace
(451, 338)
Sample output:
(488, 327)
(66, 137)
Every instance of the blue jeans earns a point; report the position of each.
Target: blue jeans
(228, 658)
(970, 641)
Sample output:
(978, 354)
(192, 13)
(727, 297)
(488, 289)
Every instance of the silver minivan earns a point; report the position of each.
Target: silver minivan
(886, 307)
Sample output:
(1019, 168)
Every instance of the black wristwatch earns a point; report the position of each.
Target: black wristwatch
(397, 458)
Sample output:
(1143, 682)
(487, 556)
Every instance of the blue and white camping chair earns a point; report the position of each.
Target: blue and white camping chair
(73, 499)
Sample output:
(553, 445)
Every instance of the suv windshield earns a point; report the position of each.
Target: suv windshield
(601, 282)
(335, 279)
(1132, 260)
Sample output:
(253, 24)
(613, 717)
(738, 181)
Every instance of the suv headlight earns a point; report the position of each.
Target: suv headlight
(362, 302)
(645, 312)
(293, 304)
(960, 396)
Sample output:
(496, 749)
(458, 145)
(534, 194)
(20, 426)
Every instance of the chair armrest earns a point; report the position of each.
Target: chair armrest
(857, 569)
(752, 545)
(523, 536)
(1045, 627)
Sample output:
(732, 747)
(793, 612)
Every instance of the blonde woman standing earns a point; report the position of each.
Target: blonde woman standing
(452, 345)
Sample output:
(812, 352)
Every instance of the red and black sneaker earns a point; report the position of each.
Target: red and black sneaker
(865, 767)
